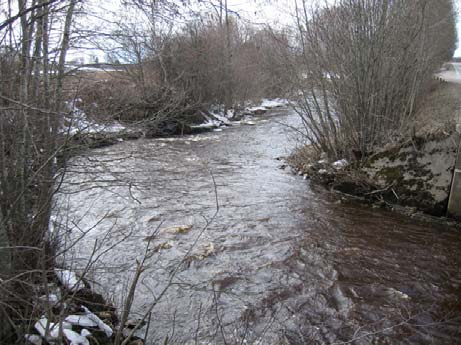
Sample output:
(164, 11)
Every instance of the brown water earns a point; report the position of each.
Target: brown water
(282, 262)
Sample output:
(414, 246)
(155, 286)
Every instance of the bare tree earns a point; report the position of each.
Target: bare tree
(34, 41)
(179, 62)
(363, 66)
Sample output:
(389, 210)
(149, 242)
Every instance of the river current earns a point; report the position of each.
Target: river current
(242, 251)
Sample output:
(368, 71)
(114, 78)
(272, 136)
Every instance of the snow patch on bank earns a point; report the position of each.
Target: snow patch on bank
(217, 117)
(267, 104)
(77, 122)
(68, 279)
(274, 103)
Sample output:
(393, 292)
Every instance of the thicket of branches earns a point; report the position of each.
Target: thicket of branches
(363, 67)
(178, 71)
(197, 59)
(34, 40)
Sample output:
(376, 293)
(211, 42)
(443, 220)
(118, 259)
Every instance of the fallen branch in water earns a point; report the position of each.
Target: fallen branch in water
(378, 191)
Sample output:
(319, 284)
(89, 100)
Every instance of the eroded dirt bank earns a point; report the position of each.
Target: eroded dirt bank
(283, 262)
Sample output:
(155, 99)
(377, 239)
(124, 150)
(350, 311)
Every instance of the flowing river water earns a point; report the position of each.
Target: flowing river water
(270, 258)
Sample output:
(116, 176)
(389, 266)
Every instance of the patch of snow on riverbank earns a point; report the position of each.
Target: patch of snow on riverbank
(68, 279)
(221, 118)
(77, 122)
(274, 103)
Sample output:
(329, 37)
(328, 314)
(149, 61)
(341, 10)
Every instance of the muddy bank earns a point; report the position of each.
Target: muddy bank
(416, 174)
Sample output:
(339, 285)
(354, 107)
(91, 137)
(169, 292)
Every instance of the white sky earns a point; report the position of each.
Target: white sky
(457, 4)
(458, 51)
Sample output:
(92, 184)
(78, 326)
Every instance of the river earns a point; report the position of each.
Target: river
(264, 256)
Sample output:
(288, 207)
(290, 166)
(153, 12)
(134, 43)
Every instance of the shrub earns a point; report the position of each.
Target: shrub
(364, 68)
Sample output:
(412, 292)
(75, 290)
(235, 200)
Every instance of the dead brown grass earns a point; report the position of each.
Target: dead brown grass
(302, 157)
(440, 111)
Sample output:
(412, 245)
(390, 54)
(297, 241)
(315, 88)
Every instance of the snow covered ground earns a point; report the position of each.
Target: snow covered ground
(274, 103)
(233, 117)
(77, 122)
(267, 104)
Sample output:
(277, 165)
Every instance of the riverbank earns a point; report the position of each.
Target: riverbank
(413, 174)
(413, 178)
(67, 310)
(85, 133)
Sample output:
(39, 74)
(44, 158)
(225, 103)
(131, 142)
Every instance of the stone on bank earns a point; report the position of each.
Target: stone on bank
(417, 173)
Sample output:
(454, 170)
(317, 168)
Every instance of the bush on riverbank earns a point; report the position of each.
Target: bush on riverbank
(366, 67)
(206, 64)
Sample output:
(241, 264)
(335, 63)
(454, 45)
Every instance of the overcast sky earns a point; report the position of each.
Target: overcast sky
(458, 51)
